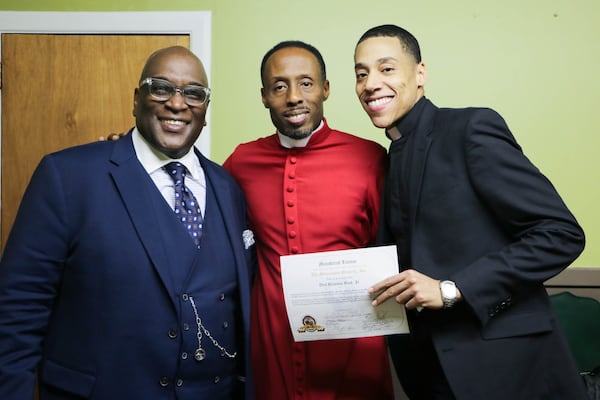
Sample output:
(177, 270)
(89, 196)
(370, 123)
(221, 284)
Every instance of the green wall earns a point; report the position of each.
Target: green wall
(535, 61)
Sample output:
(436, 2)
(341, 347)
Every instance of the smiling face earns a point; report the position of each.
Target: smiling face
(389, 81)
(294, 91)
(171, 126)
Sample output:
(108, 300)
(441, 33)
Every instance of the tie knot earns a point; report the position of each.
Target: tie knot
(176, 171)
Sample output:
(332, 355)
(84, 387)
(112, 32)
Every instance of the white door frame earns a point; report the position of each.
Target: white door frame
(195, 23)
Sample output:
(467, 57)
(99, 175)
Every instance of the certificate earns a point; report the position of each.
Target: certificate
(326, 294)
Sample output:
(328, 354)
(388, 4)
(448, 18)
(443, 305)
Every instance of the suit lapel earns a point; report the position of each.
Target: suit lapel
(225, 201)
(137, 191)
(422, 144)
(222, 193)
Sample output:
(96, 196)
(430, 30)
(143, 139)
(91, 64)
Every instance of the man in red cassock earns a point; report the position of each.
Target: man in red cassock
(309, 189)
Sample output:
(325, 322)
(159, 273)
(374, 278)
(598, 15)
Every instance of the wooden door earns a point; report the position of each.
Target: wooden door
(62, 90)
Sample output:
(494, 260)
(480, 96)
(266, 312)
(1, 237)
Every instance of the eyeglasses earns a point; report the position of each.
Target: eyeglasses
(162, 90)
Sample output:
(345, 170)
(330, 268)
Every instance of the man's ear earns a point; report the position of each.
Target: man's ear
(325, 90)
(421, 74)
(264, 100)
(135, 101)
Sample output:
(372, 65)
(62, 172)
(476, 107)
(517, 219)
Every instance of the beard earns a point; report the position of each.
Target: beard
(296, 135)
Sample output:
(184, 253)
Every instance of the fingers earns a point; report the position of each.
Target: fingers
(411, 288)
(392, 287)
(112, 136)
(383, 296)
(385, 284)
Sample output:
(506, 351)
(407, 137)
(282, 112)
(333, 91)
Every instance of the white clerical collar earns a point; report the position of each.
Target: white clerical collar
(289, 143)
(393, 133)
(152, 159)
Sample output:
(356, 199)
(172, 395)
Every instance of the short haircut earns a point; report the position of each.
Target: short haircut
(298, 44)
(408, 41)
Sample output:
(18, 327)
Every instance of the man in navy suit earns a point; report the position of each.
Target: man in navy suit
(478, 229)
(104, 293)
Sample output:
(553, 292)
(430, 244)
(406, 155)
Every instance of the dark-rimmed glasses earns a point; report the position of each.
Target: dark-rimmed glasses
(162, 90)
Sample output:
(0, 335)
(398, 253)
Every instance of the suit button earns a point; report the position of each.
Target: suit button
(185, 297)
(164, 381)
(184, 356)
(172, 333)
(222, 296)
(225, 324)
(186, 327)
(217, 379)
(179, 382)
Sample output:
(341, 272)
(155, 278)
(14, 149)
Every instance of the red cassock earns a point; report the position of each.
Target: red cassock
(321, 197)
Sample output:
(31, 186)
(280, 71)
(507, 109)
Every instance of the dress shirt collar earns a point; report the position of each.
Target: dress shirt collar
(152, 159)
(289, 143)
(406, 125)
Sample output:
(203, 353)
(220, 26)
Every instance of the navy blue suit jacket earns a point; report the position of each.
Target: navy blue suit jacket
(85, 291)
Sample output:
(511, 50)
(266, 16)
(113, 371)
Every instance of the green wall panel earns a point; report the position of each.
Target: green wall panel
(534, 61)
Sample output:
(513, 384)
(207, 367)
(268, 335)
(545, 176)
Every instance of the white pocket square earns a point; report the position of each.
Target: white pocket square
(248, 237)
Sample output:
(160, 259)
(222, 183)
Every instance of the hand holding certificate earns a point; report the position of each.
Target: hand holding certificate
(326, 294)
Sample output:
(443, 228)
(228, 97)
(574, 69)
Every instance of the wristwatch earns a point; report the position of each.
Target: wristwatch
(449, 293)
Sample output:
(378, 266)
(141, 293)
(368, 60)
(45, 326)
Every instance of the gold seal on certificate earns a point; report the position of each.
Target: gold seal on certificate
(310, 325)
(326, 294)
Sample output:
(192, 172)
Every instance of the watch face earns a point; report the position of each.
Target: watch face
(448, 289)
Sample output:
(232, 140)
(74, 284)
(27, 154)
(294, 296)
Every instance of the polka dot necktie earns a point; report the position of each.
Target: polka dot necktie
(186, 205)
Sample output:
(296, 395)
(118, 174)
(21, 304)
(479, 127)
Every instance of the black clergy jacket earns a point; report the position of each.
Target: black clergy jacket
(479, 213)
